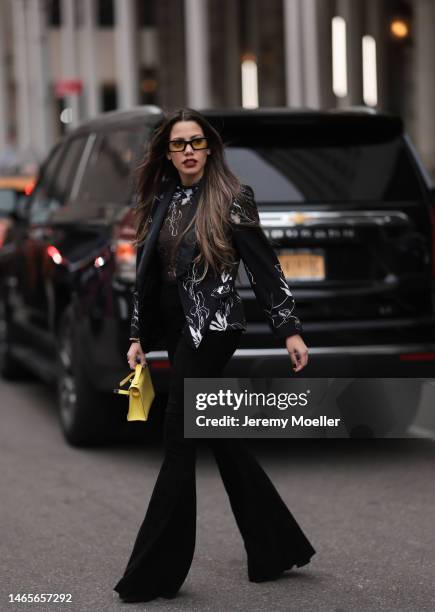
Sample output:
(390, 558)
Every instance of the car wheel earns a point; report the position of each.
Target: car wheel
(87, 416)
(10, 367)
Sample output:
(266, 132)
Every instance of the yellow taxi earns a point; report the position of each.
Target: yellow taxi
(11, 189)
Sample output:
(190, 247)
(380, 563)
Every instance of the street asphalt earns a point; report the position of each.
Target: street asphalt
(69, 518)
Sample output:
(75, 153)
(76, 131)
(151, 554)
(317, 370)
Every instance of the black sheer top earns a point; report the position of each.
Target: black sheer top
(173, 225)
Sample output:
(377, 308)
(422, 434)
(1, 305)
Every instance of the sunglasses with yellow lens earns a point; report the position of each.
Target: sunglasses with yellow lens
(198, 143)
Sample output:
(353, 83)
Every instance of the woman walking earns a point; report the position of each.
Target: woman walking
(195, 221)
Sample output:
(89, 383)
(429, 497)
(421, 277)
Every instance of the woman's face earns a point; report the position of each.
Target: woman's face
(190, 162)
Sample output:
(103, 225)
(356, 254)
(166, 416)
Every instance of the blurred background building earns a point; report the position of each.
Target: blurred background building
(63, 61)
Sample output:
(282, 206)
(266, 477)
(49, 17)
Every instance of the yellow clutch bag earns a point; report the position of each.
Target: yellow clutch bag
(141, 393)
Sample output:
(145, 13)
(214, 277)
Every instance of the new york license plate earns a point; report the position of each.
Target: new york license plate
(303, 265)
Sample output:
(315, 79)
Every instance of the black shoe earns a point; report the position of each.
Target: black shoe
(274, 574)
(137, 598)
(170, 594)
(267, 577)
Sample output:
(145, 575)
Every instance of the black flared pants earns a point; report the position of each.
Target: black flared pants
(163, 551)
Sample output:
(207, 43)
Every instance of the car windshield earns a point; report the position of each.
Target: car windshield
(379, 171)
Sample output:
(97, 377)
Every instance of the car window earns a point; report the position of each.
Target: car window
(368, 172)
(8, 199)
(53, 189)
(62, 181)
(40, 196)
(108, 177)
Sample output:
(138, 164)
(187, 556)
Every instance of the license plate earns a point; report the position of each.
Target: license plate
(303, 265)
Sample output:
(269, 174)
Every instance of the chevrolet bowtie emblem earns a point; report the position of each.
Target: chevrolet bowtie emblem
(297, 218)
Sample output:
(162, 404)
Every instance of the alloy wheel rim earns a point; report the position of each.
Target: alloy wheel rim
(66, 383)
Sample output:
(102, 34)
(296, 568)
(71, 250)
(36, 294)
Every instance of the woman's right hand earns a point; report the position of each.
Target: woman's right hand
(135, 355)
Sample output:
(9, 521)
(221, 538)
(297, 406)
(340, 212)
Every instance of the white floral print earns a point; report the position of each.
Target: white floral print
(214, 304)
(220, 320)
(225, 288)
(173, 224)
(181, 197)
(134, 324)
(250, 275)
(282, 312)
(198, 312)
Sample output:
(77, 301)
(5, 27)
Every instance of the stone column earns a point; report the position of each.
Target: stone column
(425, 80)
(310, 42)
(352, 13)
(375, 19)
(293, 53)
(308, 55)
(197, 53)
(92, 95)
(23, 101)
(126, 53)
(39, 83)
(324, 15)
(4, 98)
(69, 56)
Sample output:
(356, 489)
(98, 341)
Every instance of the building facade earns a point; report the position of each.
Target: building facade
(63, 61)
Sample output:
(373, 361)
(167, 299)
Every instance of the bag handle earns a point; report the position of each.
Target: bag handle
(136, 373)
(127, 378)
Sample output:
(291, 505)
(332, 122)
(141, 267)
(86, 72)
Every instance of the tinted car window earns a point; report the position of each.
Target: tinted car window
(40, 205)
(54, 187)
(108, 175)
(320, 157)
(379, 171)
(62, 181)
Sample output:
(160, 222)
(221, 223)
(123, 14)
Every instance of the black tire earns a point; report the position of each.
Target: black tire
(87, 417)
(10, 367)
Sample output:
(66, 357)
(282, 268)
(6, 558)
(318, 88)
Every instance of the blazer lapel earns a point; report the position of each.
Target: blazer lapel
(153, 233)
(187, 246)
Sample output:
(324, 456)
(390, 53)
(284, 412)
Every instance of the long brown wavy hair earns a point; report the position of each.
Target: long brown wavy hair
(220, 187)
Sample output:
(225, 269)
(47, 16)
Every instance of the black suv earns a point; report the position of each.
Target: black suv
(342, 196)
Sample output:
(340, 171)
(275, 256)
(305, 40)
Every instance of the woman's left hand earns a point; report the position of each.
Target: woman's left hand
(298, 352)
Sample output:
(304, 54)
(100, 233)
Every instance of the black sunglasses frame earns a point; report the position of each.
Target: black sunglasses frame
(186, 142)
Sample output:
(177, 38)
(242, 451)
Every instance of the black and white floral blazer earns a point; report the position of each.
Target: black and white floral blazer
(212, 303)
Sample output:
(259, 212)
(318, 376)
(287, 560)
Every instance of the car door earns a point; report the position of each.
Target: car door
(38, 249)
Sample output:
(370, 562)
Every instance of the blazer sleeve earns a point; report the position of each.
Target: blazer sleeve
(134, 322)
(262, 266)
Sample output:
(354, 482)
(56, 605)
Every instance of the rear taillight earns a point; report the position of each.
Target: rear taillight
(125, 260)
(29, 188)
(124, 253)
(55, 254)
(163, 364)
(428, 356)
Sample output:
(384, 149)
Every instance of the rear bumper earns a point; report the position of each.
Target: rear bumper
(412, 360)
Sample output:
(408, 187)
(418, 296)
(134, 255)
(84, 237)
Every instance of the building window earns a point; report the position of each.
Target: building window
(109, 97)
(146, 13)
(105, 13)
(148, 86)
(53, 11)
